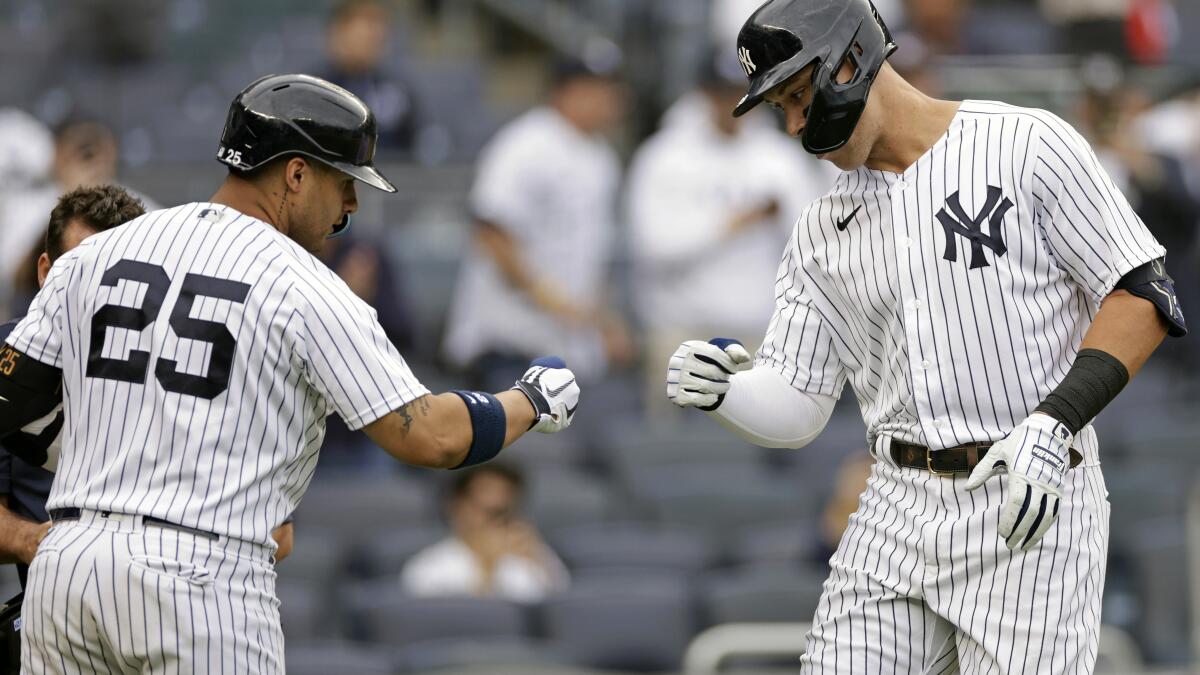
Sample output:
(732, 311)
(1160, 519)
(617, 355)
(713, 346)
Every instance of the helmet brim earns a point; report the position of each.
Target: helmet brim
(772, 78)
(367, 174)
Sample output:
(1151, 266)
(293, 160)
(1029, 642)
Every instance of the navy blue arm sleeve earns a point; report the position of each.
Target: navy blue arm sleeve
(29, 390)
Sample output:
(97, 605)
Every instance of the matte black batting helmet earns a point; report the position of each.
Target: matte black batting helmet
(783, 37)
(280, 115)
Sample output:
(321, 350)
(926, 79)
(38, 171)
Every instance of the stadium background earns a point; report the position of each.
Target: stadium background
(668, 525)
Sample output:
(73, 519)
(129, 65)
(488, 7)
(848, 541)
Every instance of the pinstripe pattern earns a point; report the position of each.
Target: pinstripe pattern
(236, 464)
(954, 300)
(107, 595)
(922, 582)
(249, 343)
(940, 354)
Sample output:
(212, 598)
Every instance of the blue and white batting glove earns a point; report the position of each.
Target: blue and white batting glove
(1036, 456)
(552, 390)
(698, 373)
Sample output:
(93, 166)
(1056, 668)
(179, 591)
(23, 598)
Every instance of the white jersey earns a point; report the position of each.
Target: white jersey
(552, 188)
(201, 352)
(954, 296)
(686, 184)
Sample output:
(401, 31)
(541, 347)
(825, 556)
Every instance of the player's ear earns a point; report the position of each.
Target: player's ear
(296, 171)
(43, 269)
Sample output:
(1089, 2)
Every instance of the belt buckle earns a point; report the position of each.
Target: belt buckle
(936, 472)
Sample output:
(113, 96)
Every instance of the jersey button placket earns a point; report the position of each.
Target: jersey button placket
(912, 305)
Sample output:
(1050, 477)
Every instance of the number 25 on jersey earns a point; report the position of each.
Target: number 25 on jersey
(135, 367)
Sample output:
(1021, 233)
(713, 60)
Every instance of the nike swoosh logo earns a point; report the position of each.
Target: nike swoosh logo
(841, 225)
(556, 392)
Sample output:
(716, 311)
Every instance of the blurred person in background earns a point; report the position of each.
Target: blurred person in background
(1132, 30)
(711, 199)
(358, 38)
(1155, 183)
(492, 551)
(536, 280)
(85, 153)
(374, 277)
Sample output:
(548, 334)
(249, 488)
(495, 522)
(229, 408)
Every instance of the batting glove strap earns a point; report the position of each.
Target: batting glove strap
(553, 393)
(1036, 456)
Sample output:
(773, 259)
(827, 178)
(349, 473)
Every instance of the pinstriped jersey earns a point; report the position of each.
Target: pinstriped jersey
(954, 296)
(201, 352)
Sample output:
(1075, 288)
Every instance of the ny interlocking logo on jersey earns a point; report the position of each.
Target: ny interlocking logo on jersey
(202, 351)
(943, 352)
(971, 228)
(1058, 236)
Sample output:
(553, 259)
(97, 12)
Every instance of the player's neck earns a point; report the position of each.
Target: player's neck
(244, 198)
(916, 122)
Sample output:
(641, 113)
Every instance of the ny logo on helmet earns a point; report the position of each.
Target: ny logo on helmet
(747, 62)
(971, 228)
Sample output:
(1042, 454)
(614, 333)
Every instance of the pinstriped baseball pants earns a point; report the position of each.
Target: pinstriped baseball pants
(922, 583)
(107, 595)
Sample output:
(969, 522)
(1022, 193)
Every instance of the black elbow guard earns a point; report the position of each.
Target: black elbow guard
(29, 389)
(1151, 282)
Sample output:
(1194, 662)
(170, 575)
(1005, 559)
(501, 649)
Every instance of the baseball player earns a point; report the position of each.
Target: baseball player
(24, 488)
(200, 349)
(986, 291)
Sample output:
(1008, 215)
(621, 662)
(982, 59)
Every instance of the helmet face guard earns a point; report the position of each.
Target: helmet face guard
(785, 36)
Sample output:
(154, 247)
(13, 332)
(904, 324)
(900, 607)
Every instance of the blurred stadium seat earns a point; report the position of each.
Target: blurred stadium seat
(304, 611)
(632, 545)
(389, 548)
(386, 615)
(762, 593)
(354, 507)
(439, 655)
(344, 658)
(560, 496)
(778, 541)
(632, 620)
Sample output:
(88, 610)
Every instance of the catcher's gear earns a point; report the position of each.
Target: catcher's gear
(784, 36)
(698, 373)
(553, 392)
(1036, 456)
(10, 634)
(280, 115)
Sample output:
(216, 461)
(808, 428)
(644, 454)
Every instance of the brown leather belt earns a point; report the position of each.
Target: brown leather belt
(951, 461)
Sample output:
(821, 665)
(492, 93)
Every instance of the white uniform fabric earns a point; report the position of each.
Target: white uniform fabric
(686, 183)
(941, 353)
(954, 298)
(922, 582)
(202, 351)
(553, 189)
(449, 568)
(299, 347)
(110, 595)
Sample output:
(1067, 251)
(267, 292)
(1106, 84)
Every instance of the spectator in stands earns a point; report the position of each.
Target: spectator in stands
(1155, 183)
(372, 276)
(85, 153)
(721, 190)
(492, 551)
(359, 35)
(536, 279)
(1138, 30)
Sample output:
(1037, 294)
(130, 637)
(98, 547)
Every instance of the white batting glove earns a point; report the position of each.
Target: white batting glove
(1036, 456)
(698, 373)
(553, 392)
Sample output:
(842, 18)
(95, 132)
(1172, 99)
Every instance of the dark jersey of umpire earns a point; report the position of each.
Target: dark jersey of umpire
(26, 486)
